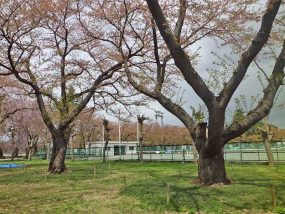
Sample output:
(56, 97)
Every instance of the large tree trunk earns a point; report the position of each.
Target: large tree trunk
(57, 161)
(211, 164)
(212, 167)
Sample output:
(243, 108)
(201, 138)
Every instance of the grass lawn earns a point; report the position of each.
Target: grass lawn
(130, 187)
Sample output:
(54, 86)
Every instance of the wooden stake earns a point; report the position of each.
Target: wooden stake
(109, 166)
(94, 172)
(45, 176)
(167, 193)
(125, 182)
(273, 196)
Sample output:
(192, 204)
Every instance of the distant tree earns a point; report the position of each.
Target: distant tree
(140, 120)
(1, 154)
(24, 125)
(128, 131)
(32, 147)
(86, 127)
(261, 128)
(107, 129)
(15, 153)
(166, 135)
(7, 100)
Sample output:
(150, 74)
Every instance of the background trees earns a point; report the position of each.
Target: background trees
(64, 52)
(22, 126)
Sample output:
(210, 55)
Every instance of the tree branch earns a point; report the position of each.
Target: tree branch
(249, 55)
(181, 59)
(175, 109)
(266, 103)
(180, 20)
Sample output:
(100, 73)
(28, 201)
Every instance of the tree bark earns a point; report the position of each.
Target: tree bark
(15, 153)
(140, 120)
(32, 147)
(141, 149)
(195, 152)
(1, 154)
(104, 150)
(48, 150)
(212, 167)
(57, 161)
(106, 137)
(269, 152)
(266, 135)
(140, 143)
(211, 163)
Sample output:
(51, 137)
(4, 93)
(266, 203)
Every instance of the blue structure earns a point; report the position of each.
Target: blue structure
(11, 165)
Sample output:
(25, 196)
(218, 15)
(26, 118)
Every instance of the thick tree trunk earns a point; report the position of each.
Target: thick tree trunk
(212, 168)
(57, 161)
(104, 151)
(1, 154)
(211, 164)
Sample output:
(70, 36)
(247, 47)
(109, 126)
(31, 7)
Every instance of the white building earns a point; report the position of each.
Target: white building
(114, 148)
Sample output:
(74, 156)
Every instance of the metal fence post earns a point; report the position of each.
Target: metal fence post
(258, 153)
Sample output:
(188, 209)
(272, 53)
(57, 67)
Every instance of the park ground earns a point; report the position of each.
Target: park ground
(131, 187)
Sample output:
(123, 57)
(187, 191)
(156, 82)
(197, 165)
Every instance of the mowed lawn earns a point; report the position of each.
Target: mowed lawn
(131, 187)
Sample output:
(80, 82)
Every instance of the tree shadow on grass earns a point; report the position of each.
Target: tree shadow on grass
(153, 193)
(264, 188)
(258, 182)
(183, 195)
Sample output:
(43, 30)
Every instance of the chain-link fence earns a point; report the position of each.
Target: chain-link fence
(239, 152)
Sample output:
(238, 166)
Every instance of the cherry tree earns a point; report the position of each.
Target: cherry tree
(65, 53)
(181, 24)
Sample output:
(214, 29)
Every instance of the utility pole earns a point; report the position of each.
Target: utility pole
(120, 141)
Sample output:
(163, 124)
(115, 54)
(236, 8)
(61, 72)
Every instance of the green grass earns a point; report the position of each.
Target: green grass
(25, 190)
